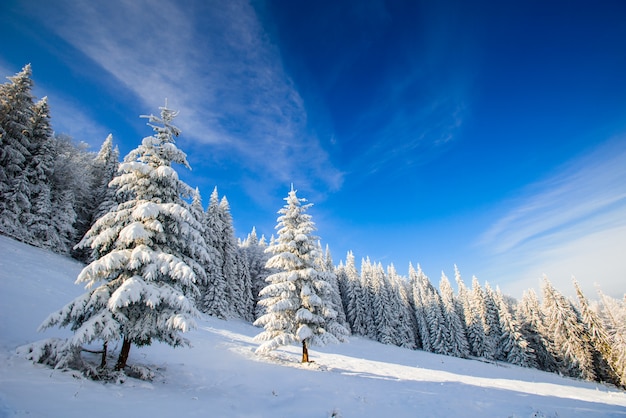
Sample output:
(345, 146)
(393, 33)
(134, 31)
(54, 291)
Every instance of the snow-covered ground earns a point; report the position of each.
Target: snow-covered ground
(220, 376)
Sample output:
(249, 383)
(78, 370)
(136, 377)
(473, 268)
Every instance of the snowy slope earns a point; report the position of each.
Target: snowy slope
(220, 376)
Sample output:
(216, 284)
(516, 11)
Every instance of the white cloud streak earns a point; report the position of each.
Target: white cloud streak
(571, 224)
(68, 118)
(221, 72)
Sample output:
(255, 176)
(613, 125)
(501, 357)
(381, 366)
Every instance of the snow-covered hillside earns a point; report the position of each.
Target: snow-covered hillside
(220, 376)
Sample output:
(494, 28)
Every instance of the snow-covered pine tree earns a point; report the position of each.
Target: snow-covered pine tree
(604, 354)
(436, 323)
(254, 250)
(148, 254)
(567, 333)
(513, 346)
(329, 268)
(473, 323)
(297, 298)
(16, 114)
(247, 305)
(105, 167)
(196, 208)
(356, 298)
(215, 290)
(461, 298)
(488, 318)
(367, 293)
(405, 327)
(534, 330)
(419, 284)
(71, 189)
(613, 314)
(381, 305)
(39, 172)
(456, 342)
(491, 319)
(335, 325)
(238, 285)
(100, 197)
(342, 284)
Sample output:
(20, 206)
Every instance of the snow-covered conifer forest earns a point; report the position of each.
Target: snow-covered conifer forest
(156, 260)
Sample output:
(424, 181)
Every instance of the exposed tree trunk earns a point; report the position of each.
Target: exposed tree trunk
(121, 360)
(305, 352)
(103, 361)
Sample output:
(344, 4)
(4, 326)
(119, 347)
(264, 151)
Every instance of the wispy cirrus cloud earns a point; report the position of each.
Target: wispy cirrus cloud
(571, 224)
(213, 62)
(417, 91)
(68, 118)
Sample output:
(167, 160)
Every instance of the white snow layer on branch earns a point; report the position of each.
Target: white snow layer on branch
(133, 233)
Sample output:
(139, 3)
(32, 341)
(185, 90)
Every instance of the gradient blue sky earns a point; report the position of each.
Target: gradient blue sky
(488, 134)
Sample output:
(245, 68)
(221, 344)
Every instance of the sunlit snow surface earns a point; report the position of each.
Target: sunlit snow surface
(220, 376)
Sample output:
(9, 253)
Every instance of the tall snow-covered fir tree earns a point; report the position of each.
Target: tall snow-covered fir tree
(336, 323)
(381, 299)
(215, 292)
(16, 115)
(406, 326)
(567, 333)
(533, 329)
(105, 167)
(297, 298)
(513, 346)
(604, 352)
(419, 284)
(488, 316)
(457, 344)
(141, 284)
(356, 302)
(613, 314)
(473, 323)
(234, 267)
(39, 172)
(253, 248)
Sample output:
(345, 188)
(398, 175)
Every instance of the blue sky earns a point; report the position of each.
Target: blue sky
(487, 134)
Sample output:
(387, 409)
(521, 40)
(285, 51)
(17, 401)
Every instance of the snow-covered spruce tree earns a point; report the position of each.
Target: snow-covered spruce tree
(419, 283)
(71, 189)
(513, 346)
(533, 329)
(406, 329)
(105, 167)
(142, 280)
(381, 304)
(329, 268)
(254, 251)
(336, 323)
(457, 341)
(604, 354)
(492, 321)
(473, 323)
(214, 294)
(488, 318)
(297, 298)
(367, 286)
(236, 275)
(16, 114)
(101, 197)
(613, 314)
(356, 312)
(567, 334)
(39, 171)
